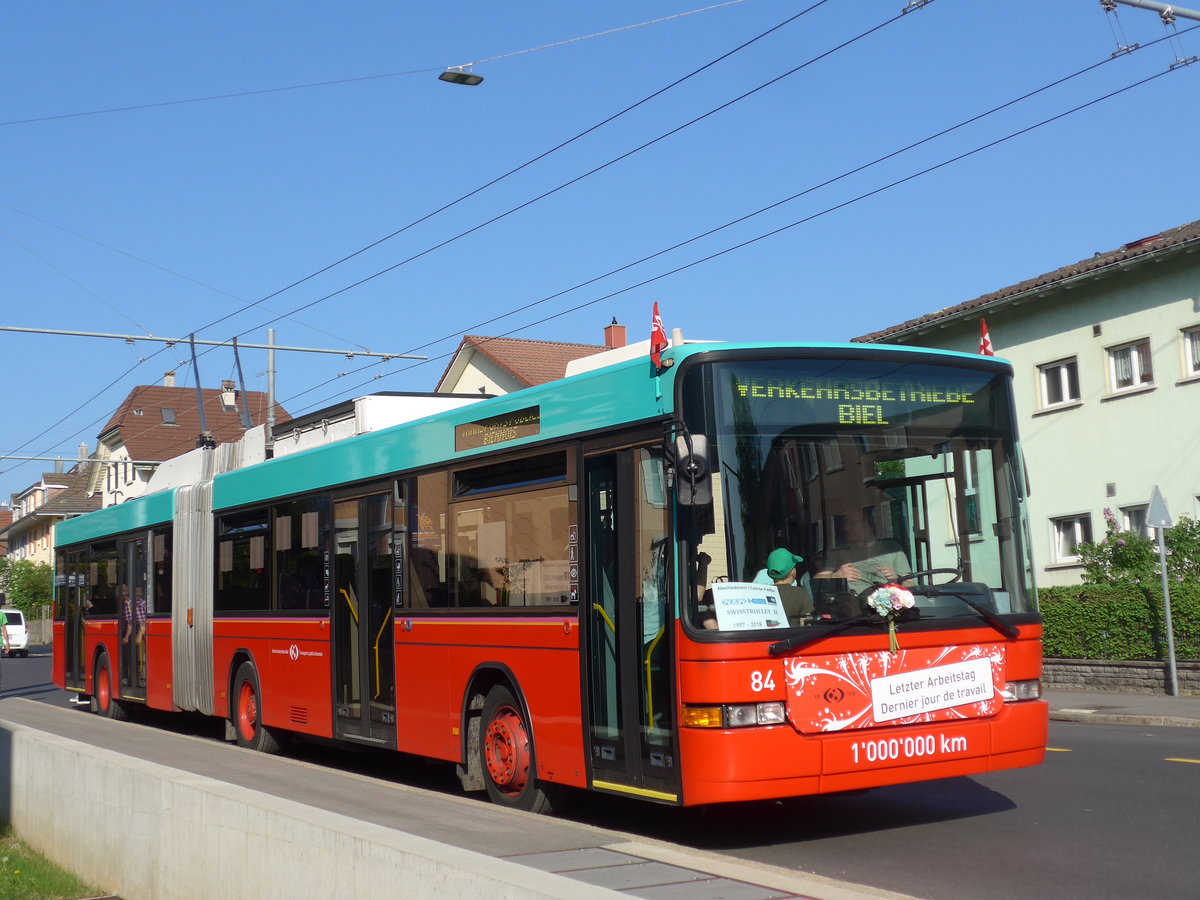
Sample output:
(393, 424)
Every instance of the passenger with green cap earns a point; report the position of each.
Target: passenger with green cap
(781, 572)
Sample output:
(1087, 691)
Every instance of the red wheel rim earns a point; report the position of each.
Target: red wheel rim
(506, 751)
(247, 711)
(103, 691)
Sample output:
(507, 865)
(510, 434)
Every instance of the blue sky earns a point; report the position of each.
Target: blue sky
(164, 219)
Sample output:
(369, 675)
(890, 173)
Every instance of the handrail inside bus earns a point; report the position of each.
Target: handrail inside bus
(604, 615)
(649, 693)
(378, 637)
(349, 604)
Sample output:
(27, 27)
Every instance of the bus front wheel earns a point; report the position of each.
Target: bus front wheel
(102, 693)
(247, 713)
(507, 756)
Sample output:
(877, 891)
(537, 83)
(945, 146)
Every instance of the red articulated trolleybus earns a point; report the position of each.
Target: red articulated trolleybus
(754, 571)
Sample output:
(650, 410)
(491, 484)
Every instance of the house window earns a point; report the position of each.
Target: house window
(1060, 382)
(1129, 366)
(1069, 533)
(1133, 518)
(168, 416)
(1191, 351)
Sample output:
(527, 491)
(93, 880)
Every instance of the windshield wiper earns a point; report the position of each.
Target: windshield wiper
(948, 590)
(808, 637)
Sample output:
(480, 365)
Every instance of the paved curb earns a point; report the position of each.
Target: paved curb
(1109, 718)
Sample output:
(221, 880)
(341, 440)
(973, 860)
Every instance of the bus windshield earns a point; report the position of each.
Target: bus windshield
(833, 478)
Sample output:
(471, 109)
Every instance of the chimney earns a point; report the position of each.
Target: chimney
(83, 451)
(614, 335)
(228, 397)
(168, 379)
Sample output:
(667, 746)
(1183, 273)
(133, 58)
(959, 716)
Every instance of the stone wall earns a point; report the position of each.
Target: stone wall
(1121, 677)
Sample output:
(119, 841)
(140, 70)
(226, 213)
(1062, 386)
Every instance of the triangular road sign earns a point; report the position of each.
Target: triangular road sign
(1157, 515)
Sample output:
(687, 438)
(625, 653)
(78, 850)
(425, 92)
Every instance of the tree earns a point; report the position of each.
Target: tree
(1125, 557)
(1183, 549)
(27, 584)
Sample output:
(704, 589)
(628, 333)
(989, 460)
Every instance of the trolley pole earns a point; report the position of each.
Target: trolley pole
(270, 431)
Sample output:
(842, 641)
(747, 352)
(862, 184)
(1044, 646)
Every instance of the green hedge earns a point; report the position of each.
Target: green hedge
(1119, 622)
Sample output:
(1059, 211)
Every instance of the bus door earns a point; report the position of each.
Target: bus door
(629, 625)
(74, 604)
(131, 617)
(364, 579)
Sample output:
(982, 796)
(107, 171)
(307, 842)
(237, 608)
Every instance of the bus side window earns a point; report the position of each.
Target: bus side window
(427, 563)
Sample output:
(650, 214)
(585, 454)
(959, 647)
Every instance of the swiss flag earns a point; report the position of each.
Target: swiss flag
(985, 340)
(658, 338)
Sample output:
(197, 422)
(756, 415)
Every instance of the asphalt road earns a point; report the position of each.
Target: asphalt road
(1112, 813)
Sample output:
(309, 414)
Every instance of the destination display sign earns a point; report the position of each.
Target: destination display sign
(497, 429)
(869, 402)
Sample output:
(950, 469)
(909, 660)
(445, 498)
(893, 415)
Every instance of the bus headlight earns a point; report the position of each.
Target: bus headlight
(1021, 690)
(734, 715)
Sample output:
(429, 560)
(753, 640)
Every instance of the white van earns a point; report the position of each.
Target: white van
(18, 632)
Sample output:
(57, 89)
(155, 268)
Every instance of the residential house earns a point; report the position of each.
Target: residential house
(156, 423)
(501, 365)
(1106, 355)
(40, 507)
(6, 517)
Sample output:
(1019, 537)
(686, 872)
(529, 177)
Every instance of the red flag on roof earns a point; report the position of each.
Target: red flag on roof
(985, 340)
(658, 338)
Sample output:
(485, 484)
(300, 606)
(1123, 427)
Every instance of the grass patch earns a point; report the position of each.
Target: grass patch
(27, 875)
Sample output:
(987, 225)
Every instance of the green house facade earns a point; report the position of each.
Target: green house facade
(1106, 354)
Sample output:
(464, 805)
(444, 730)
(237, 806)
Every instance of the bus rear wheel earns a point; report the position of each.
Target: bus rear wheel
(507, 757)
(247, 711)
(102, 695)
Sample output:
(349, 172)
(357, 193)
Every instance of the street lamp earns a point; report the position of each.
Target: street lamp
(460, 75)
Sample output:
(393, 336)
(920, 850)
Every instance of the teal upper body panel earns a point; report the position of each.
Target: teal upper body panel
(620, 394)
(588, 402)
(138, 513)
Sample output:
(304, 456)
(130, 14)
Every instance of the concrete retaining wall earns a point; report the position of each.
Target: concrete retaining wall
(149, 832)
(1122, 677)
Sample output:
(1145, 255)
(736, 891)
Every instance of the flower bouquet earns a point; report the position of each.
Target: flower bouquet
(889, 600)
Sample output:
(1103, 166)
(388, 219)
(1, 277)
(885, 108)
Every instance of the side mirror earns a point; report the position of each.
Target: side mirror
(693, 471)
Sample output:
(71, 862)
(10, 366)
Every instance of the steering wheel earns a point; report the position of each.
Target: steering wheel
(957, 573)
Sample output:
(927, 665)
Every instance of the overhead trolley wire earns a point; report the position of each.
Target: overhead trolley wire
(971, 120)
(72, 412)
(586, 37)
(338, 81)
(208, 287)
(806, 219)
(830, 181)
(596, 169)
(499, 178)
(776, 231)
(445, 207)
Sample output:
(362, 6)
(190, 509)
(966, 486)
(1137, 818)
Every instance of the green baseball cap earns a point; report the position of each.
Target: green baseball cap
(782, 561)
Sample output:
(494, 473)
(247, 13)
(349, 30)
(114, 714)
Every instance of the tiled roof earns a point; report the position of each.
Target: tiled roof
(142, 429)
(68, 497)
(72, 499)
(529, 362)
(1169, 241)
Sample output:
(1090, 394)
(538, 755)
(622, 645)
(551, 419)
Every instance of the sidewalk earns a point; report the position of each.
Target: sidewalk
(1108, 708)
